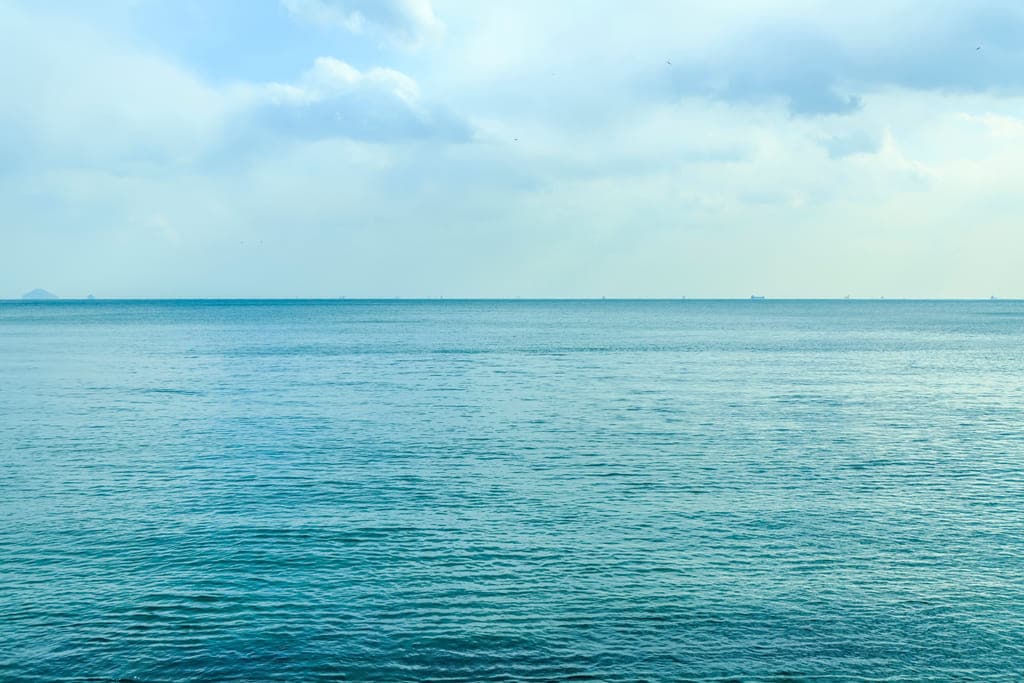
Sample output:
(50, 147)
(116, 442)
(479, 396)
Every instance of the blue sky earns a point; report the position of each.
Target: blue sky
(363, 148)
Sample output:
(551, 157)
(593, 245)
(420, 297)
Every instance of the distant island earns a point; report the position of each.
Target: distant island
(39, 294)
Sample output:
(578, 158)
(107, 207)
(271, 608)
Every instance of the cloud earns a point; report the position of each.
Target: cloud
(541, 149)
(827, 62)
(75, 97)
(82, 98)
(334, 99)
(789, 64)
(814, 59)
(410, 22)
(857, 142)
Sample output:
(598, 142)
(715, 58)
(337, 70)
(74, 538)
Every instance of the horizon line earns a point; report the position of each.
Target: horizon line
(753, 298)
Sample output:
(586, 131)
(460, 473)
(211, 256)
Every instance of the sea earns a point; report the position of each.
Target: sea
(512, 490)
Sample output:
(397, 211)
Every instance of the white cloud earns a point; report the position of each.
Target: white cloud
(334, 99)
(80, 98)
(329, 77)
(410, 22)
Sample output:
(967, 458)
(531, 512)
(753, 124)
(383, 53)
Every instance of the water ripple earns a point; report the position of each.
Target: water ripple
(512, 491)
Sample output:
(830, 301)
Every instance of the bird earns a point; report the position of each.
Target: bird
(977, 48)
(669, 62)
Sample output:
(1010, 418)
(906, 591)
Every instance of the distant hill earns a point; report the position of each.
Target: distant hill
(39, 294)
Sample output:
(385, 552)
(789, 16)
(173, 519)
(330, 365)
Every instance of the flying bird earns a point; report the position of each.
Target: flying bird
(977, 48)
(669, 62)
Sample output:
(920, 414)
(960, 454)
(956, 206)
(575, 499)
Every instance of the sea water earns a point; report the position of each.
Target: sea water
(511, 490)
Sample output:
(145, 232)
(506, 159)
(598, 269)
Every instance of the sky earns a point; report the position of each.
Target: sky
(427, 148)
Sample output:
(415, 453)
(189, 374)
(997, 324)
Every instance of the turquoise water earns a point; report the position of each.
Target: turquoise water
(604, 490)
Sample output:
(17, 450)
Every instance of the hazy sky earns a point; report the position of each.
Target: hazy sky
(179, 148)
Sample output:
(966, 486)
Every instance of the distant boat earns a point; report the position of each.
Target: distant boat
(754, 297)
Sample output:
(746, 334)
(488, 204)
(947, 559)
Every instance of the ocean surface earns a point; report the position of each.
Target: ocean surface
(512, 491)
